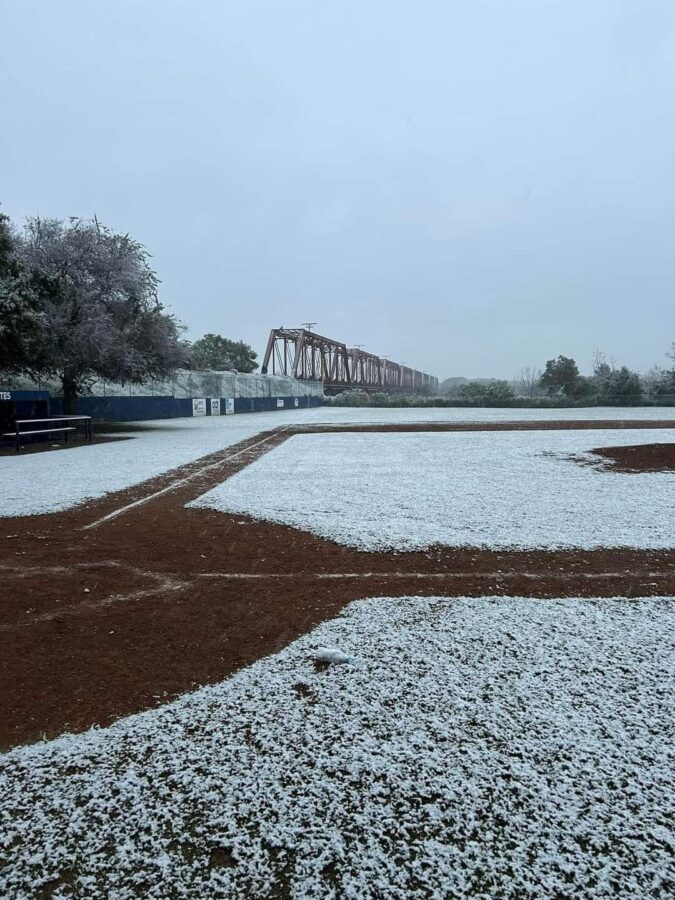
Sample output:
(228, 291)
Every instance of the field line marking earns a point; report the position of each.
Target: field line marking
(169, 585)
(23, 571)
(178, 483)
(338, 575)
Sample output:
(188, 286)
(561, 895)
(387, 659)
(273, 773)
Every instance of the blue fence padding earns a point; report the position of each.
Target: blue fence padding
(135, 409)
(267, 404)
(128, 409)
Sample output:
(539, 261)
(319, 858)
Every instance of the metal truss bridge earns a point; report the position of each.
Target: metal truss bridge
(307, 356)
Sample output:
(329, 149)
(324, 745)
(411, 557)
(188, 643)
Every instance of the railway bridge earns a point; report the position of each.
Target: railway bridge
(307, 356)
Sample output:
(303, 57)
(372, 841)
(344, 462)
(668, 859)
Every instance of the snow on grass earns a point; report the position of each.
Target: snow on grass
(44, 483)
(47, 482)
(361, 416)
(487, 747)
(487, 489)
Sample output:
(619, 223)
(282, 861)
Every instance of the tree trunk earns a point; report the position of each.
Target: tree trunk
(69, 394)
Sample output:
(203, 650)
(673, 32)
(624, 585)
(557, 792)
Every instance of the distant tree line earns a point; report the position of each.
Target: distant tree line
(80, 302)
(560, 383)
(609, 384)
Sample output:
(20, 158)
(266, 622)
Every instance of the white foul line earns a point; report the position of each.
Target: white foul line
(497, 575)
(179, 483)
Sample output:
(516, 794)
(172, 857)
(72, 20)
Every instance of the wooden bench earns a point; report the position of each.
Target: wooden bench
(17, 434)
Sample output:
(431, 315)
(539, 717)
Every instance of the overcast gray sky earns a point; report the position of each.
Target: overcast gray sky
(467, 186)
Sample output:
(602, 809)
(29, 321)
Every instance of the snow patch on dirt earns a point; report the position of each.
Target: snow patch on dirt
(505, 747)
(498, 490)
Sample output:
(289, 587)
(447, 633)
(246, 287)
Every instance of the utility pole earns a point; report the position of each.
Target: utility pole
(308, 325)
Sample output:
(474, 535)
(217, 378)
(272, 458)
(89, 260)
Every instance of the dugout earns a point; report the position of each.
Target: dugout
(22, 405)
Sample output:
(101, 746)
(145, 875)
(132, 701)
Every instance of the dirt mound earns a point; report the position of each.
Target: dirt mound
(639, 458)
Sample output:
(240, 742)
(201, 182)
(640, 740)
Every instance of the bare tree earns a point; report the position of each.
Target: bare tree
(98, 295)
(528, 382)
(603, 365)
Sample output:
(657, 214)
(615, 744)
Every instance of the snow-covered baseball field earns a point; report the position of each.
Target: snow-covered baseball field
(48, 482)
(488, 747)
(404, 491)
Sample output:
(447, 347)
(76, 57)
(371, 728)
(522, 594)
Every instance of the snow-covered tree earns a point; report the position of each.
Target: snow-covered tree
(622, 387)
(487, 393)
(98, 298)
(221, 354)
(561, 376)
(21, 323)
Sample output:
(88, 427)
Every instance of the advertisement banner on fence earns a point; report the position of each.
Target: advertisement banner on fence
(229, 406)
(215, 407)
(199, 407)
(280, 403)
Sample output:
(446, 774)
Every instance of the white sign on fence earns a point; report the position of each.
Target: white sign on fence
(5, 395)
(229, 406)
(280, 403)
(215, 407)
(296, 402)
(199, 407)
